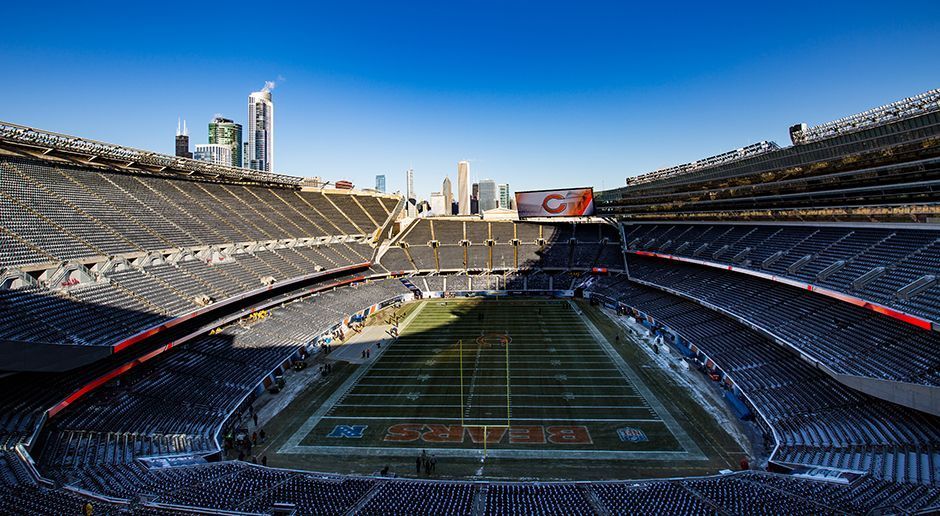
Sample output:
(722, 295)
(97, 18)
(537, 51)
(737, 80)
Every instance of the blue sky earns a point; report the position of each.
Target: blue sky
(537, 94)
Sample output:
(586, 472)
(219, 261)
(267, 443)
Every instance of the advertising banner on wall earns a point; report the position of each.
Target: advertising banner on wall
(574, 202)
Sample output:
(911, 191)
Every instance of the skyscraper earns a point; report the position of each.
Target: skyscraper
(448, 196)
(214, 153)
(410, 184)
(463, 187)
(223, 131)
(437, 203)
(504, 195)
(182, 140)
(489, 195)
(261, 130)
(411, 200)
(380, 183)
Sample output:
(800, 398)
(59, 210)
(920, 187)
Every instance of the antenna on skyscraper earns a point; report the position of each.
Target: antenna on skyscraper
(179, 131)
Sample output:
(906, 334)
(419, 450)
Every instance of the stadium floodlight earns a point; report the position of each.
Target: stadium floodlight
(905, 108)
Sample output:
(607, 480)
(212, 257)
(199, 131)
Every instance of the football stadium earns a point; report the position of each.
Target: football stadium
(752, 332)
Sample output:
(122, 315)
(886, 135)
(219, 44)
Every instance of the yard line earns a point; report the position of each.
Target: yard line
(620, 386)
(501, 359)
(425, 419)
(470, 334)
(502, 395)
(455, 366)
(558, 407)
(617, 377)
(445, 354)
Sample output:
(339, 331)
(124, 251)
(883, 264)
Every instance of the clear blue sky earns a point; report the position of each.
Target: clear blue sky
(534, 93)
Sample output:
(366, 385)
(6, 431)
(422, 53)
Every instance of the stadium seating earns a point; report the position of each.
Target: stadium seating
(819, 421)
(144, 248)
(90, 255)
(145, 296)
(839, 256)
(65, 212)
(422, 498)
(92, 448)
(846, 338)
(554, 499)
(478, 246)
(248, 488)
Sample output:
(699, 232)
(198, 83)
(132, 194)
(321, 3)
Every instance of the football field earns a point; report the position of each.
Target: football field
(509, 378)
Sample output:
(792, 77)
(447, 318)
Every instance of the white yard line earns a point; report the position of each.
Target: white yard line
(514, 387)
(502, 395)
(570, 419)
(342, 390)
(555, 376)
(444, 366)
(515, 406)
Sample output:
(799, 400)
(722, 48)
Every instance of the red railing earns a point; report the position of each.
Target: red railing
(914, 320)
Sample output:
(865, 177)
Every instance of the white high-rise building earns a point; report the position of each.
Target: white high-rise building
(410, 184)
(214, 153)
(463, 187)
(489, 195)
(261, 130)
(438, 202)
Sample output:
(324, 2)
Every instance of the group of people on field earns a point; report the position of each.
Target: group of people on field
(425, 462)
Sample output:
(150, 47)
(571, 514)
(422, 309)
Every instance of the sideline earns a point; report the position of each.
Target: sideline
(292, 445)
(701, 392)
(684, 439)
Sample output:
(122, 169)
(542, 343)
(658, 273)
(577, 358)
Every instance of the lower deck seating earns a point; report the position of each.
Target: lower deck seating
(819, 421)
(847, 338)
(130, 299)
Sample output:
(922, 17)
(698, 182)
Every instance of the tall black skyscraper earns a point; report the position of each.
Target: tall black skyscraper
(182, 140)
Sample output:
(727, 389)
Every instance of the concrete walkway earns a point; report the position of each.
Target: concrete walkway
(368, 338)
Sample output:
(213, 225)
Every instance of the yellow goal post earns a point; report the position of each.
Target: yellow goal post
(505, 340)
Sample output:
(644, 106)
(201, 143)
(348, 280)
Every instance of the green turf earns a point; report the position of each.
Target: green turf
(564, 391)
(563, 373)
